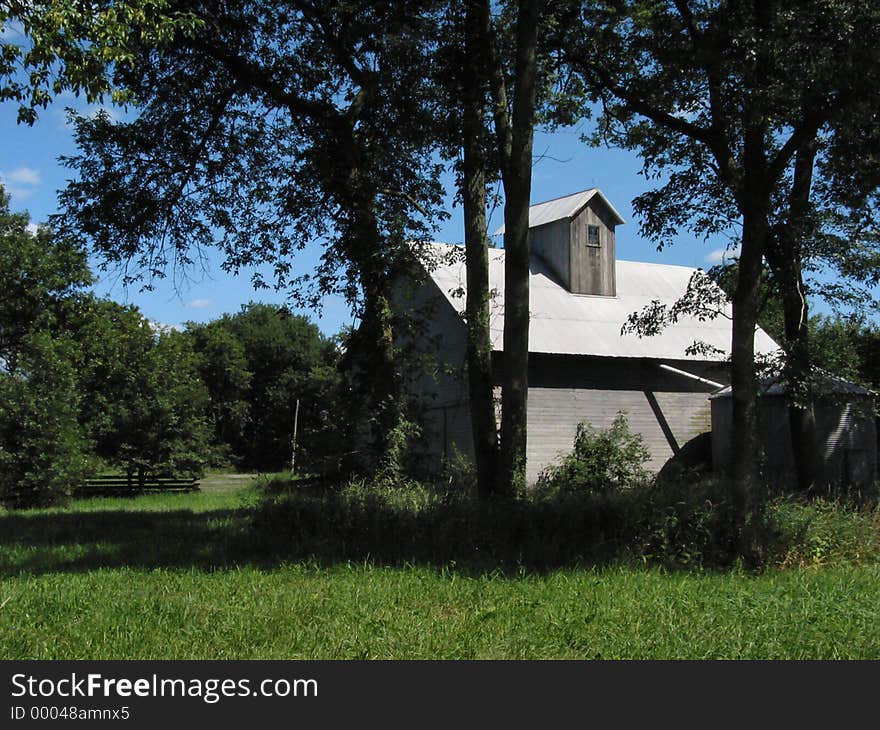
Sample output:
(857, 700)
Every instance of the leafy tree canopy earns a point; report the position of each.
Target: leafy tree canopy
(40, 273)
(67, 46)
(274, 125)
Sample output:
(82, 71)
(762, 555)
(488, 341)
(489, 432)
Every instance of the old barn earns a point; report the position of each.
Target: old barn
(581, 366)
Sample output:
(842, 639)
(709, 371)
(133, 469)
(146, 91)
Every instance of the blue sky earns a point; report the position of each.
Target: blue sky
(31, 173)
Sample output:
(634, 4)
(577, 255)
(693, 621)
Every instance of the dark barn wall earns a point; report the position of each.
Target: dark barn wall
(551, 243)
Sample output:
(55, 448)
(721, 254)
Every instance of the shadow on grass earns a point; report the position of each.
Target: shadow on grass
(387, 528)
(35, 543)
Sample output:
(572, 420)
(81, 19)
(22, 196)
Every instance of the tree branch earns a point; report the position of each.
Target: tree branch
(407, 197)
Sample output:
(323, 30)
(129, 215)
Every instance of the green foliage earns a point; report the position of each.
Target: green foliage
(41, 276)
(828, 531)
(257, 363)
(268, 161)
(82, 375)
(602, 461)
(848, 347)
(42, 451)
(41, 444)
(676, 525)
(223, 368)
(63, 46)
(162, 429)
(143, 404)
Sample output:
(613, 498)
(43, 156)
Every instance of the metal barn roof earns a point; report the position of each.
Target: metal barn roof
(565, 207)
(576, 324)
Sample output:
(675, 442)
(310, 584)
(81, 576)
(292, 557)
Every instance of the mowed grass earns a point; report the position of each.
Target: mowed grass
(170, 577)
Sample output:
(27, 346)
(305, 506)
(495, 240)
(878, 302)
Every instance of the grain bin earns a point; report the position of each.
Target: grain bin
(846, 431)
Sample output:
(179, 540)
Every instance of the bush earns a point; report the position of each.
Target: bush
(602, 461)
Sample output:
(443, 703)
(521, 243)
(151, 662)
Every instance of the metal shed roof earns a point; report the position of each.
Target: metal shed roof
(576, 324)
(567, 206)
(825, 384)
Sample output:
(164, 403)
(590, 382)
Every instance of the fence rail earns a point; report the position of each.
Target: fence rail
(95, 486)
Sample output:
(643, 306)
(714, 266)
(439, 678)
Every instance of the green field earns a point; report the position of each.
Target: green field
(171, 577)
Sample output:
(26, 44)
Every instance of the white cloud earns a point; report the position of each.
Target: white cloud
(21, 182)
(33, 228)
(24, 176)
(162, 328)
(722, 255)
(199, 303)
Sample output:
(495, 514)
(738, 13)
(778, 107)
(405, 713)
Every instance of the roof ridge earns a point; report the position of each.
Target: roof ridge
(561, 197)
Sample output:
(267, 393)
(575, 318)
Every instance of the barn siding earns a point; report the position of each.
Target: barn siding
(667, 410)
(592, 267)
(846, 433)
(439, 388)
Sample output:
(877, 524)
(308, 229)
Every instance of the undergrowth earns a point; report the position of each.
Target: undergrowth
(645, 524)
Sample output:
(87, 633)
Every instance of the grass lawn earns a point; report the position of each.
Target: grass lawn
(170, 577)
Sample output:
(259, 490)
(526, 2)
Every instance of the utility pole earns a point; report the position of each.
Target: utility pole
(293, 444)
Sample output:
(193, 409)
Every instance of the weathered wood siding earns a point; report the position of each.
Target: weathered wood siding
(592, 267)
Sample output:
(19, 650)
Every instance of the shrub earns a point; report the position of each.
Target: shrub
(602, 461)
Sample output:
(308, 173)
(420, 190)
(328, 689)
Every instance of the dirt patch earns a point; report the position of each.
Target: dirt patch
(225, 482)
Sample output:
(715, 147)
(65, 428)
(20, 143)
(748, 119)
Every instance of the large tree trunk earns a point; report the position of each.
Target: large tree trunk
(799, 389)
(383, 408)
(385, 393)
(785, 256)
(515, 145)
(754, 202)
(479, 343)
(746, 444)
(753, 195)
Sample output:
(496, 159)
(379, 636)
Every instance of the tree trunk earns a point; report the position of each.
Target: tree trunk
(746, 444)
(516, 170)
(754, 202)
(799, 389)
(384, 402)
(785, 257)
(479, 344)
(383, 408)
